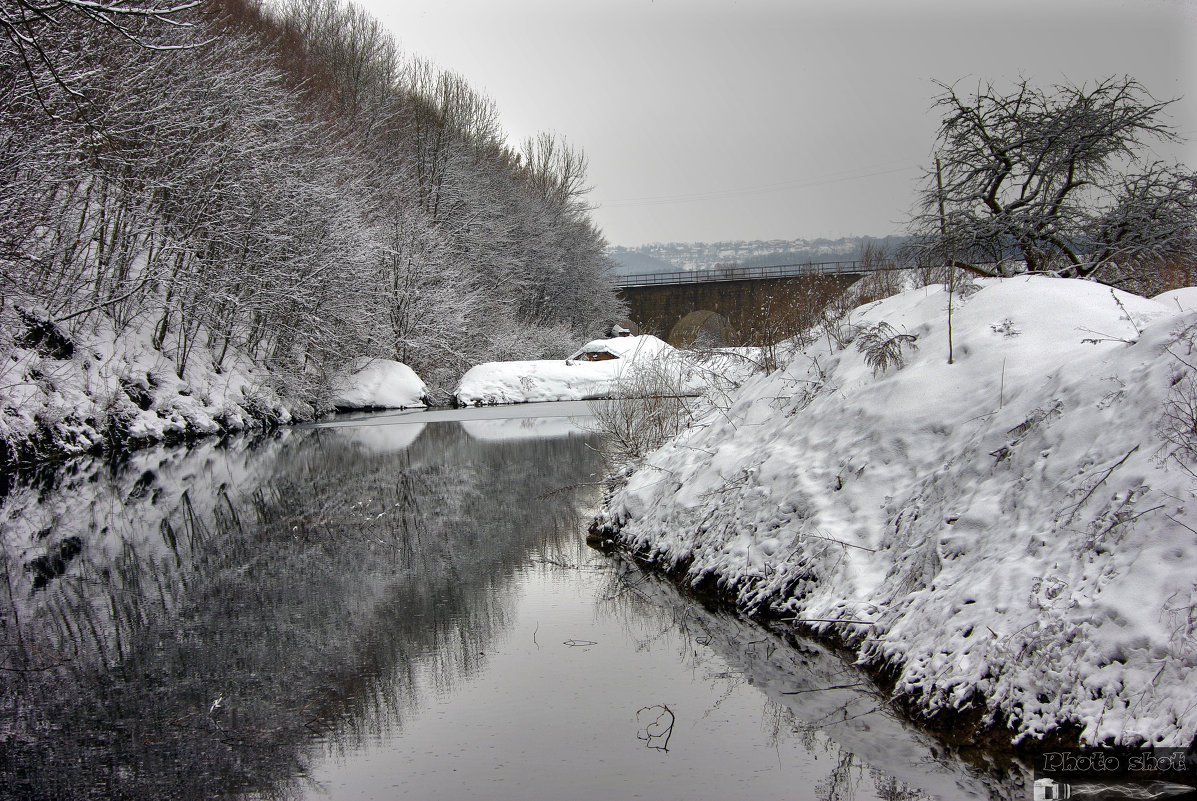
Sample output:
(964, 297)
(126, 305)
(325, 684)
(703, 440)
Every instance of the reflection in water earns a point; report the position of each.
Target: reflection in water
(275, 619)
(225, 605)
(813, 700)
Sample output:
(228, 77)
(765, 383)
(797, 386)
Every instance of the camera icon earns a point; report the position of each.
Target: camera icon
(1051, 790)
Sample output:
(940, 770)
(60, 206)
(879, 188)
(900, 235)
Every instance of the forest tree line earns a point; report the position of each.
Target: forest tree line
(281, 183)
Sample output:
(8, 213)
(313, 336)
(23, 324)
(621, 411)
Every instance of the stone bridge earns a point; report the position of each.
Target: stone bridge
(739, 305)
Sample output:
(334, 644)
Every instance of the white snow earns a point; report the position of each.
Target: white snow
(379, 384)
(561, 380)
(1185, 298)
(1006, 530)
(117, 381)
(116, 385)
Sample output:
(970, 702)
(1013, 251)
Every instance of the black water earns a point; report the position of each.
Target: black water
(400, 606)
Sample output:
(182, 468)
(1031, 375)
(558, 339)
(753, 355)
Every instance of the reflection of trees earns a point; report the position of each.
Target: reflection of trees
(841, 783)
(814, 701)
(228, 606)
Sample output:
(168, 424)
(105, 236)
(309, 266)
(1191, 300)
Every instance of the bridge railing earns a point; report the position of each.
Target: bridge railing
(742, 273)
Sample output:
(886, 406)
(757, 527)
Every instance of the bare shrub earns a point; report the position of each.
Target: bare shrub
(652, 407)
(882, 346)
(883, 278)
(1177, 426)
(785, 319)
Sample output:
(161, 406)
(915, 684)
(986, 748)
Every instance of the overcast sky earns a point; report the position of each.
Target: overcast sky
(706, 120)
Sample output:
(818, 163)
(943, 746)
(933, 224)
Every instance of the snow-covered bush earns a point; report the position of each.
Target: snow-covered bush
(379, 384)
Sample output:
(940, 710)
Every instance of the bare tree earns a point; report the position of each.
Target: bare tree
(555, 168)
(26, 22)
(1055, 178)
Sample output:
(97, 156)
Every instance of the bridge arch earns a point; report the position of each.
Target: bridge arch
(704, 327)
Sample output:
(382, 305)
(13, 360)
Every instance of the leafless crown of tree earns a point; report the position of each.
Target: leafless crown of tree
(280, 186)
(1057, 178)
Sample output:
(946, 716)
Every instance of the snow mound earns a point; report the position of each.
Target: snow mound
(379, 384)
(1005, 531)
(562, 380)
(1184, 299)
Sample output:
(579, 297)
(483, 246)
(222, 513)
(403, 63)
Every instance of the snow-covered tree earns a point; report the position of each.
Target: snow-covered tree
(278, 186)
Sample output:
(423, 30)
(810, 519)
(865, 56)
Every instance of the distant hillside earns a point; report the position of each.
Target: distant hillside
(634, 262)
(669, 256)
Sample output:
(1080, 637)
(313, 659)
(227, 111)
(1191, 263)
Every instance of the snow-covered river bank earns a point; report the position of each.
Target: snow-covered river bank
(1011, 531)
(401, 605)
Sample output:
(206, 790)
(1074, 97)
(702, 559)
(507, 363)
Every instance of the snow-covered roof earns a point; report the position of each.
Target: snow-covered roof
(557, 379)
(621, 347)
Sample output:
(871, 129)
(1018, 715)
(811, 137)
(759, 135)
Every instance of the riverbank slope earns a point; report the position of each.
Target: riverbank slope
(99, 389)
(1013, 532)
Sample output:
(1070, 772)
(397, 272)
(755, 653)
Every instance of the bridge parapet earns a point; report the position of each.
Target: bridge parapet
(744, 273)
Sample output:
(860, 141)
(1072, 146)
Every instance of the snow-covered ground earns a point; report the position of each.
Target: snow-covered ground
(570, 379)
(98, 386)
(1007, 530)
(74, 395)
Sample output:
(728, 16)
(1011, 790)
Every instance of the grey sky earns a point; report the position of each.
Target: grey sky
(758, 119)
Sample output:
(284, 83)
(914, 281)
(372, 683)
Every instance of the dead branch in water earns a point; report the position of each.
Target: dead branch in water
(659, 729)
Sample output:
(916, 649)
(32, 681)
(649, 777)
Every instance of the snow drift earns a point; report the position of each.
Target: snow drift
(379, 384)
(1007, 531)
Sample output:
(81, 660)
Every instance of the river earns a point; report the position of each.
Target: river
(402, 606)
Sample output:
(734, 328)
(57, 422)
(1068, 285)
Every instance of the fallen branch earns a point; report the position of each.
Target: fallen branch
(841, 542)
(1119, 522)
(663, 726)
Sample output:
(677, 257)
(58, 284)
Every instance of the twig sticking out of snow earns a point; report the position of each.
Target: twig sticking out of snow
(1101, 481)
(840, 542)
(1125, 313)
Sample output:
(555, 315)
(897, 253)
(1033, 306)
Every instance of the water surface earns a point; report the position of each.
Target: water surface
(400, 606)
